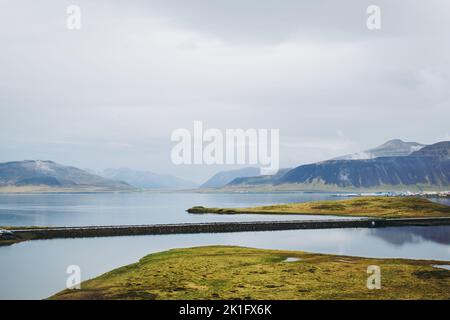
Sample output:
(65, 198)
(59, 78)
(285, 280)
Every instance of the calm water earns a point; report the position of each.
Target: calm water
(135, 208)
(37, 269)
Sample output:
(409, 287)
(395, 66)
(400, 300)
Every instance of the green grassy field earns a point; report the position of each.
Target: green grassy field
(379, 207)
(242, 273)
(21, 227)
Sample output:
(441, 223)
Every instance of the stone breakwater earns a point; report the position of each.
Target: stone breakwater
(216, 227)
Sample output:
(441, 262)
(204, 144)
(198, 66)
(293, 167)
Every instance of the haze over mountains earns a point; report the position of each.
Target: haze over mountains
(31, 174)
(426, 168)
(393, 165)
(259, 180)
(392, 148)
(147, 179)
(222, 178)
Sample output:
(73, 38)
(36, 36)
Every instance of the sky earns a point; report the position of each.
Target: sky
(110, 94)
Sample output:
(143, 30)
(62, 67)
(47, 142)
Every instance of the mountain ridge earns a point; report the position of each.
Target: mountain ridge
(147, 179)
(428, 166)
(259, 180)
(52, 175)
(222, 178)
(391, 148)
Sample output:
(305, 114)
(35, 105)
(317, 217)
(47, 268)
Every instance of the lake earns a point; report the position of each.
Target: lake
(37, 269)
(136, 208)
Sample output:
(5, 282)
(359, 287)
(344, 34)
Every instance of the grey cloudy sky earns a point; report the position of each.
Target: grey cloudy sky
(110, 94)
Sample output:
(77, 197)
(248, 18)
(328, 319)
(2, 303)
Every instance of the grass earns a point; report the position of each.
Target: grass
(221, 272)
(379, 207)
(12, 228)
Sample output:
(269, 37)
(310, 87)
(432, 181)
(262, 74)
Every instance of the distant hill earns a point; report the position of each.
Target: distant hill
(440, 150)
(258, 180)
(222, 178)
(50, 175)
(392, 148)
(148, 180)
(428, 167)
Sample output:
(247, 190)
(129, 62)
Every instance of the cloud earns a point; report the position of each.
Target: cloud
(139, 69)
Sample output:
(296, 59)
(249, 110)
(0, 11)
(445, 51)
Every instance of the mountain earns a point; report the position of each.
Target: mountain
(148, 180)
(440, 150)
(427, 167)
(392, 148)
(258, 180)
(222, 178)
(48, 174)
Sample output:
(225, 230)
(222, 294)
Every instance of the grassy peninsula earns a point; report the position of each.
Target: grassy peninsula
(242, 273)
(377, 207)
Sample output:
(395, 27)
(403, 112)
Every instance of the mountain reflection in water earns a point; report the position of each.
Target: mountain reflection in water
(404, 235)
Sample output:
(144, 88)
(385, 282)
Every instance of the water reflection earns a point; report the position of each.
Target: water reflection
(136, 208)
(401, 236)
(36, 269)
